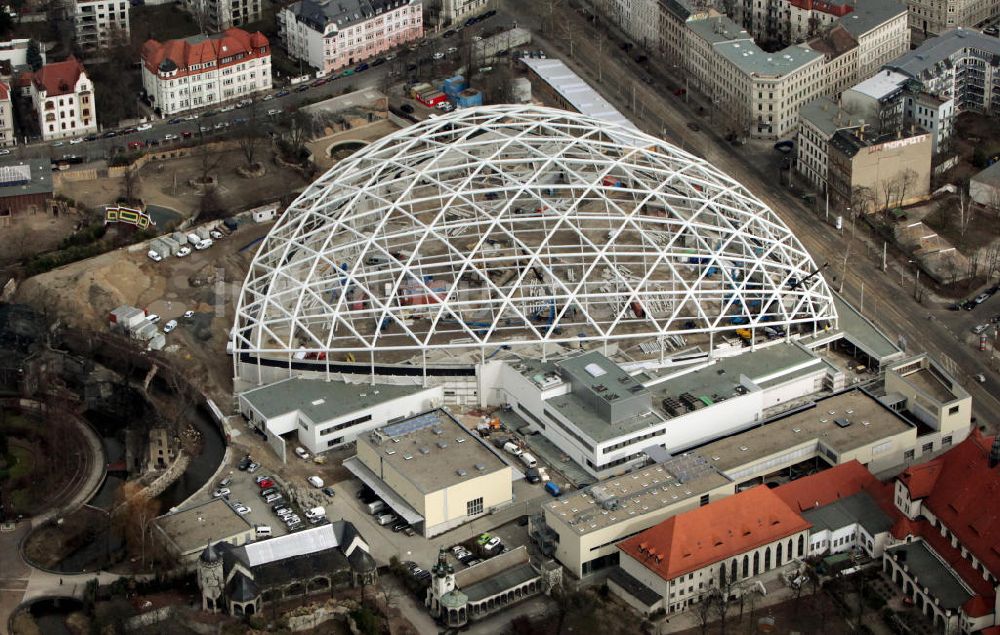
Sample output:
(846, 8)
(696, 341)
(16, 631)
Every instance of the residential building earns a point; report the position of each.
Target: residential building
(456, 11)
(239, 579)
(200, 71)
(819, 120)
(840, 52)
(872, 172)
(101, 23)
(25, 186)
(334, 35)
(431, 471)
(960, 65)
(947, 561)
(933, 17)
(15, 53)
(7, 135)
(483, 589)
(62, 97)
(880, 28)
(214, 16)
(320, 415)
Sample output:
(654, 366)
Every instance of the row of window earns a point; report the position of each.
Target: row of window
(345, 424)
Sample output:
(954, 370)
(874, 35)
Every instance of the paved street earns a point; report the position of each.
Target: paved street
(656, 110)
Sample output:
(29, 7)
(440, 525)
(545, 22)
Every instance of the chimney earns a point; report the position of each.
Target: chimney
(995, 451)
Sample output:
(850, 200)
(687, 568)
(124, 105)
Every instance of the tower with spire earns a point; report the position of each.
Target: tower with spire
(210, 578)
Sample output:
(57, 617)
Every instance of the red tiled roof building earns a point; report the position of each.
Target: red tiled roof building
(200, 71)
(63, 98)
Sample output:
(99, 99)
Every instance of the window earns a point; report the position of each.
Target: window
(946, 441)
(927, 447)
(953, 410)
(908, 455)
(474, 507)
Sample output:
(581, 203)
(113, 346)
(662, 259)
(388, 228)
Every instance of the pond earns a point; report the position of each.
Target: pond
(163, 216)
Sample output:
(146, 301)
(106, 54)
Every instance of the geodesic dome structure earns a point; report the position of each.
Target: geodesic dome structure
(501, 227)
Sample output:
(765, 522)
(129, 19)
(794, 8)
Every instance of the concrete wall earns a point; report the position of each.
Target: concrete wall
(446, 508)
(876, 165)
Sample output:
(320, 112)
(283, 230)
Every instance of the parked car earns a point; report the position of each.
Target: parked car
(244, 463)
(407, 108)
(152, 255)
(438, 55)
(398, 527)
(152, 317)
(268, 490)
(169, 326)
(301, 453)
(265, 483)
(360, 68)
(226, 481)
(329, 491)
(483, 539)
(253, 467)
(262, 477)
(492, 543)
(242, 510)
(222, 491)
(215, 234)
(183, 251)
(273, 498)
(315, 481)
(144, 127)
(303, 88)
(188, 314)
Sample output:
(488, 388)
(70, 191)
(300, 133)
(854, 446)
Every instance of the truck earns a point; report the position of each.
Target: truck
(376, 507)
(552, 488)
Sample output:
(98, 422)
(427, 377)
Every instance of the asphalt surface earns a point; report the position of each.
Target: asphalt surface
(856, 263)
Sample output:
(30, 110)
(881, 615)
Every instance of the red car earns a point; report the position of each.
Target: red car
(266, 483)
(186, 134)
(135, 145)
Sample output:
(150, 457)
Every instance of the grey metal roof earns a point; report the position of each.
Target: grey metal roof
(989, 176)
(718, 29)
(503, 581)
(957, 42)
(318, 14)
(39, 181)
(296, 544)
(885, 83)
(321, 400)
(931, 571)
(242, 589)
(753, 60)
(634, 587)
(870, 14)
(860, 508)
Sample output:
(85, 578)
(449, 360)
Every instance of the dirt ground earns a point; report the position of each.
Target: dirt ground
(972, 130)
(165, 183)
(27, 235)
(85, 292)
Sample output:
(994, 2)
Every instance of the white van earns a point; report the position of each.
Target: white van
(315, 512)
(528, 460)
(511, 447)
(315, 481)
(263, 531)
(385, 519)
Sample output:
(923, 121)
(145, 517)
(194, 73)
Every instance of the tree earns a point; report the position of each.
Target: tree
(887, 188)
(703, 610)
(34, 55)
(135, 512)
(722, 600)
(250, 136)
(131, 185)
(906, 179)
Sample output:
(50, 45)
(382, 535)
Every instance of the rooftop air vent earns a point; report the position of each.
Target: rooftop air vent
(480, 467)
(442, 444)
(460, 440)
(390, 451)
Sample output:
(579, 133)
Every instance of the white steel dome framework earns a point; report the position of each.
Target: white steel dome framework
(501, 227)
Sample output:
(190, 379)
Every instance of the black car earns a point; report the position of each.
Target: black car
(109, 134)
(400, 526)
(471, 21)
(378, 61)
(175, 121)
(283, 93)
(90, 137)
(303, 88)
(267, 492)
(488, 14)
(360, 68)
(329, 492)
(407, 108)
(244, 463)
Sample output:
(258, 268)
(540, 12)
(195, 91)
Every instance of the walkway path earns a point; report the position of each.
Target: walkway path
(97, 464)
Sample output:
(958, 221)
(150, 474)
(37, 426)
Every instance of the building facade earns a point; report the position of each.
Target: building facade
(933, 17)
(214, 16)
(200, 71)
(960, 65)
(62, 97)
(330, 36)
(324, 415)
(7, 135)
(101, 23)
(432, 472)
(455, 11)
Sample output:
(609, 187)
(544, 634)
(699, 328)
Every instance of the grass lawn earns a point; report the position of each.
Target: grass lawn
(23, 461)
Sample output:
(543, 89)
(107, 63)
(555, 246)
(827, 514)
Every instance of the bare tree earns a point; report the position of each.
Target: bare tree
(703, 610)
(131, 185)
(135, 512)
(887, 188)
(250, 137)
(906, 179)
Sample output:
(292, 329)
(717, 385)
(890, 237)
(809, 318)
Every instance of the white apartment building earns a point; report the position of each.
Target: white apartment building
(960, 65)
(15, 52)
(100, 23)
(63, 99)
(7, 136)
(219, 15)
(933, 17)
(333, 35)
(455, 11)
(200, 71)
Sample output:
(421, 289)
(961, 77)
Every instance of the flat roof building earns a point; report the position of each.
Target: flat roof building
(187, 532)
(432, 471)
(328, 414)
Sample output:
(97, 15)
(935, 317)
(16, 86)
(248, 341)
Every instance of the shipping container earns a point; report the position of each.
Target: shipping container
(469, 98)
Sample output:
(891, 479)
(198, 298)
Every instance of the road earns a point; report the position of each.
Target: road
(655, 109)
